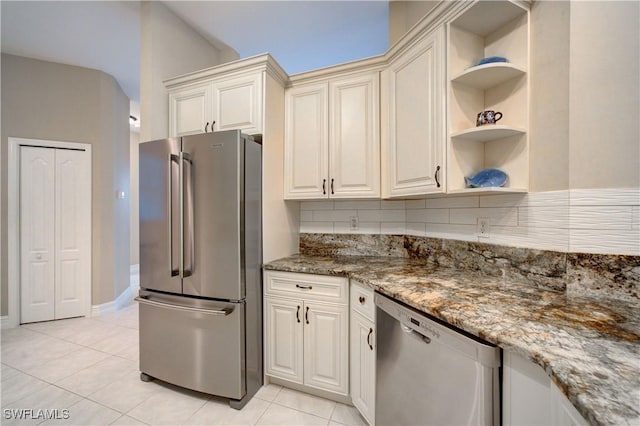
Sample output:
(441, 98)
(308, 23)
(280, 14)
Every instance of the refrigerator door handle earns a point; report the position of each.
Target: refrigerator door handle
(172, 159)
(223, 312)
(186, 216)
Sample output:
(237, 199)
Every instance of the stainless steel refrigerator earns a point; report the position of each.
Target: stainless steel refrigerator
(200, 263)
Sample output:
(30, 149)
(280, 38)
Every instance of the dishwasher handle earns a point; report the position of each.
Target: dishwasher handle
(414, 333)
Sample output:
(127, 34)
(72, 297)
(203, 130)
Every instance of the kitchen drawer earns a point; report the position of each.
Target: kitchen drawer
(307, 286)
(362, 300)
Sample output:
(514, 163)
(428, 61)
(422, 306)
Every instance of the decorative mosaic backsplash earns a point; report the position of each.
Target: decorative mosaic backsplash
(610, 276)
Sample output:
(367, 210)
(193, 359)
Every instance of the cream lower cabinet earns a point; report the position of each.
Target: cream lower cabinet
(307, 330)
(529, 397)
(413, 119)
(332, 140)
(363, 351)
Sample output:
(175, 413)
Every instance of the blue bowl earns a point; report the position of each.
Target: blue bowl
(491, 59)
(487, 178)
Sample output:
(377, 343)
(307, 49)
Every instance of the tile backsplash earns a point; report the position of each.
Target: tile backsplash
(585, 220)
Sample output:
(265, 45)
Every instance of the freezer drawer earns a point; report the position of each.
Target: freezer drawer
(194, 343)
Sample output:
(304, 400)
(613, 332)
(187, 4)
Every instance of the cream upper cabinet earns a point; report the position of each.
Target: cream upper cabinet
(332, 141)
(354, 137)
(189, 110)
(413, 138)
(306, 142)
(237, 103)
(234, 101)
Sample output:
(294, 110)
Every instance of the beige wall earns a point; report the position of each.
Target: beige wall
(585, 95)
(604, 101)
(405, 14)
(169, 47)
(549, 120)
(45, 100)
(134, 140)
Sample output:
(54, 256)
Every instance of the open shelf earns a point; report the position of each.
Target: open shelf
(486, 29)
(487, 190)
(488, 132)
(488, 75)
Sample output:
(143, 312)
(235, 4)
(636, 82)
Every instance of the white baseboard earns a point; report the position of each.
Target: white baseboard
(105, 308)
(125, 298)
(4, 321)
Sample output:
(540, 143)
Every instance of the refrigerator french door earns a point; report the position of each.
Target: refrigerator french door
(200, 257)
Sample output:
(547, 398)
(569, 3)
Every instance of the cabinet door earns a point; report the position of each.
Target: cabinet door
(363, 366)
(306, 142)
(414, 147)
(237, 103)
(283, 340)
(326, 347)
(354, 137)
(189, 110)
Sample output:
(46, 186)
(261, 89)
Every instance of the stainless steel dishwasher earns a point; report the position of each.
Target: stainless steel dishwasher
(431, 374)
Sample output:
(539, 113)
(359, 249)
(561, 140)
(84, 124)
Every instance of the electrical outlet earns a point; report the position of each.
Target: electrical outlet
(353, 222)
(483, 227)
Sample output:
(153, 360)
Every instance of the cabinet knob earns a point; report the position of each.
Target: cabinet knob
(361, 299)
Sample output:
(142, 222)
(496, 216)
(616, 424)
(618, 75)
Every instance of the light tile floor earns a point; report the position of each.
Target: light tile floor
(89, 366)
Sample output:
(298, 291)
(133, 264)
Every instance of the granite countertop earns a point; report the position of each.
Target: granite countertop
(589, 347)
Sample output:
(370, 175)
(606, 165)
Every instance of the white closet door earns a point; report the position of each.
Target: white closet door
(72, 226)
(37, 232)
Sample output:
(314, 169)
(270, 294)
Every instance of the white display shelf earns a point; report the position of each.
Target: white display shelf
(487, 132)
(488, 75)
(488, 190)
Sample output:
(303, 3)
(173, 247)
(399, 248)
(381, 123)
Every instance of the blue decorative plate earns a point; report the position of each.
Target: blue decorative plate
(491, 59)
(487, 178)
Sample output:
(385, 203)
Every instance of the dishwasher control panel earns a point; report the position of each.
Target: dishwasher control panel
(417, 322)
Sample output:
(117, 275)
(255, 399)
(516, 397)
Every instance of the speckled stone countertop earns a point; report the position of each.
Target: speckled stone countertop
(589, 347)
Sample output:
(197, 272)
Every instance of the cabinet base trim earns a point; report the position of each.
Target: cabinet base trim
(344, 399)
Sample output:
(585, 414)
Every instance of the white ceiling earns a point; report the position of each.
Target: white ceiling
(301, 35)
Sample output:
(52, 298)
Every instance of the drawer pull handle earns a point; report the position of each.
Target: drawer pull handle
(436, 176)
(361, 299)
(298, 314)
(332, 186)
(304, 287)
(306, 315)
(324, 183)
(369, 337)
